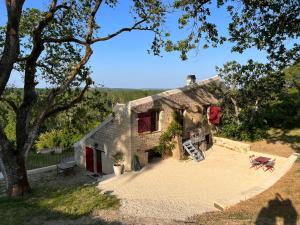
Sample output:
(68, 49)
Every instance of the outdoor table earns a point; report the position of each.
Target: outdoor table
(262, 159)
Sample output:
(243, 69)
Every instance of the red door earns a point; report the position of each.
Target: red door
(89, 159)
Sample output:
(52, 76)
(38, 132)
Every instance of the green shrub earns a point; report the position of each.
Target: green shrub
(50, 139)
(57, 139)
(118, 157)
(242, 133)
(166, 140)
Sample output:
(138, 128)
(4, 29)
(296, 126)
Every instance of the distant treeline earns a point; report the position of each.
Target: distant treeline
(65, 128)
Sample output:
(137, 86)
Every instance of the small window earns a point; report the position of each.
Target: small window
(148, 121)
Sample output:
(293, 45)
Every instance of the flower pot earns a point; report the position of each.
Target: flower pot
(118, 170)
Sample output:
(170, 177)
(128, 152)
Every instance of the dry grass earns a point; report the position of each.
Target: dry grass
(266, 208)
(279, 142)
(277, 148)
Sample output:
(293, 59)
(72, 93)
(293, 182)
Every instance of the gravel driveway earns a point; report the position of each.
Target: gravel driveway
(175, 190)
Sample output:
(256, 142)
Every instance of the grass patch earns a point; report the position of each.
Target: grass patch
(239, 216)
(287, 136)
(279, 142)
(49, 203)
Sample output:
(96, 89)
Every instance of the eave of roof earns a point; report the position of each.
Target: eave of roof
(168, 93)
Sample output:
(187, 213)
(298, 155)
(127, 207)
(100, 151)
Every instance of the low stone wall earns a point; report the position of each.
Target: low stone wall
(39, 170)
(232, 145)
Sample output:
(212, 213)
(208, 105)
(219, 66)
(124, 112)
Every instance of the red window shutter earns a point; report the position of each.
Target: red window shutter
(144, 122)
(214, 115)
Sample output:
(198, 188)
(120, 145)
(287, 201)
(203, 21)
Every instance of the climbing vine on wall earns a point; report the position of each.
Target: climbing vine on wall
(166, 140)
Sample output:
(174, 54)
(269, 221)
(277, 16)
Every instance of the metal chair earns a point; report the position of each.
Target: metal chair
(253, 162)
(269, 165)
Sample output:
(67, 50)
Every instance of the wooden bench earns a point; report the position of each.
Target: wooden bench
(66, 166)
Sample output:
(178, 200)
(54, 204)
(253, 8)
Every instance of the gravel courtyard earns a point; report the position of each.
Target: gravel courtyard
(175, 190)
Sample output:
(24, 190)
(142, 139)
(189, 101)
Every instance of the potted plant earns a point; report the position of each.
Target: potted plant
(118, 158)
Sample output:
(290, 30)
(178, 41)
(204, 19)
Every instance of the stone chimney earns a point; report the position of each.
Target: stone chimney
(190, 79)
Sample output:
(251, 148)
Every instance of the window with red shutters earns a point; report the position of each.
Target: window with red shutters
(148, 121)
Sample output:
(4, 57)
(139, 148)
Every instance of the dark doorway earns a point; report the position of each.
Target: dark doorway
(208, 141)
(153, 156)
(99, 162)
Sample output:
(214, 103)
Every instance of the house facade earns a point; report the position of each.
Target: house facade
(135, 127)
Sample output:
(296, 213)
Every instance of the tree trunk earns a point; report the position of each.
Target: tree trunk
(236, 110)
(11, 45)
(15, 175)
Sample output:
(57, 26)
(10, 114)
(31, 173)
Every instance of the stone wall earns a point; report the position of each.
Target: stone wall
(111, 136)
(191, 103)
(231, 145)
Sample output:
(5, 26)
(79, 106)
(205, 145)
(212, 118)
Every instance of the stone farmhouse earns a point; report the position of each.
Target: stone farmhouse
(135, 127)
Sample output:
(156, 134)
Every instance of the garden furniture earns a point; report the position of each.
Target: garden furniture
(269, 165)
(253, 162)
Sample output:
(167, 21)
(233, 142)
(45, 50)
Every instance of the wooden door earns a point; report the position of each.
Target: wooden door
(89, 158)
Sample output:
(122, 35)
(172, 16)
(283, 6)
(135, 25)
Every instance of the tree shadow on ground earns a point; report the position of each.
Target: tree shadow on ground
(60, 200)
(37, 209)
(285, 136)
(278, 208)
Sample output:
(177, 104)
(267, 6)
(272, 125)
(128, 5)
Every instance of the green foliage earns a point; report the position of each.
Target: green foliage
(118, 158)
(57, 138)
(292, 77)
(250, 89)
(166, 139)
(242, 132)
(286, 108)
(268, 25)
(10, 128)
(258, 97)
(51, 139)
(55, 203)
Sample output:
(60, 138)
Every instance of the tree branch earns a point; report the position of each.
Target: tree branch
(74, 70)
(20, 59)
(69, 105)
(126, 29)
(91, 22)
(64, 39)
(92, 41)
(12, 42)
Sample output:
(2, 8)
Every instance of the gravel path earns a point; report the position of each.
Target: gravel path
(175, 190)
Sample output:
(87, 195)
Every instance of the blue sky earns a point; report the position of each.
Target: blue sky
(123, 62)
